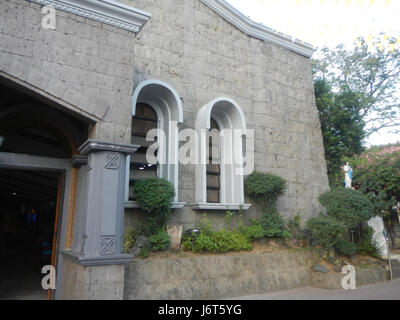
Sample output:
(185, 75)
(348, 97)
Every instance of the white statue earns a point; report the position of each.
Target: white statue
(348, 175)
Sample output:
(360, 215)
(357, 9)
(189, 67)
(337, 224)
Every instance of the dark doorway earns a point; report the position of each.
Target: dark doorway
(28, 207)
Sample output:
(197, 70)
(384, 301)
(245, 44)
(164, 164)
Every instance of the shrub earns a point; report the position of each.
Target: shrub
(347, 205)
(216, 241)
(222, 241)
(326, 230)
(265, 186)
(159, 241)
(155, 196)
(367, 245)
(130, 238)
(295, 229)
(274, 226)
(345, 247)
(255, 231)
(144, 253)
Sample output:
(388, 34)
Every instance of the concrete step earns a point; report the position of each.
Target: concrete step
(395, 269)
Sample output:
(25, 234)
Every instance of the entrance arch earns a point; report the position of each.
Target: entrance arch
(37, 185)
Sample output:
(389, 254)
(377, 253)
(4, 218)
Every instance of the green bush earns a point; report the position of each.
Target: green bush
(155, 196)
(274, 226)
(326, 230)
(367, 245)
(129, 238)
(265, 186)
(217, 241)
(159, 241)
(345, 247)
(347, 205)
(255, 231)
(295, 229)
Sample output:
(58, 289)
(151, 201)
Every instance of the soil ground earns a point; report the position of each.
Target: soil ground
(274, 245)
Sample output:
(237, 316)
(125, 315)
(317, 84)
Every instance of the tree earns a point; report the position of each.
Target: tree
(342, 127)
(372, 75)
(377, 174)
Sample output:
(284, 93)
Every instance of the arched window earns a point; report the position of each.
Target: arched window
(144, 120)
(213, 167)
(155, 105)
(219, 186)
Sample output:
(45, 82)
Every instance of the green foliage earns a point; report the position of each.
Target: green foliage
(355, 95)
(345, 247)
(366, 245)
(221, 241)
(216, 241)
(155, 196)
(254, 231)
(129, 238)
(377, 174)
(274, 226)
(265, 186)
(326, 230)
(341, 125)
(144, 253)
(295, 229)
(348, 206)
(159, 241)
(372, 75)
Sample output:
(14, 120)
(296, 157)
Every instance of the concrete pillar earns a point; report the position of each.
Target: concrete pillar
(101, 251)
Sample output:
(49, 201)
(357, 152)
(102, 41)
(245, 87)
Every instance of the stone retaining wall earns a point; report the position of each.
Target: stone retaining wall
(218, 276)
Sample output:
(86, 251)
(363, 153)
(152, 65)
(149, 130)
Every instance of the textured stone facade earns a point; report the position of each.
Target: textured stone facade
(91, 69)
(204, 57)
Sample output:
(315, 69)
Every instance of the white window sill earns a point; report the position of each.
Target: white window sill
(219, 206)
(135, 204)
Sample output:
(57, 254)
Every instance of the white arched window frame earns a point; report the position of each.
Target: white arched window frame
(168, 106)
(231, 121)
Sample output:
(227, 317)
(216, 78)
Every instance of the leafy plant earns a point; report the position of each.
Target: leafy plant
(326, 230)
(130, 238)
(159, 241)
(254, 231)
(274, 226)
(367, 245)
(155, 196)
(295, 229)
(144, 253)
(345, 247)
(348, 206)
(267, 187)
(222, 241)
(216, 241)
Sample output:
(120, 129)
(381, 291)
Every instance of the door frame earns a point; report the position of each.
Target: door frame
(14, 161)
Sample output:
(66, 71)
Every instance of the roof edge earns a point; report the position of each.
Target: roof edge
(105, 11)
(257, 30)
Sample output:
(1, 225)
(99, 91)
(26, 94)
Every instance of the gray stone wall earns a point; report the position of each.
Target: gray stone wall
(84, 65)
(218, 276)
(91, 69)
(204, 57)
(92, 282)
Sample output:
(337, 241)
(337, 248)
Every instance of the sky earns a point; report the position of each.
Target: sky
(329, 23)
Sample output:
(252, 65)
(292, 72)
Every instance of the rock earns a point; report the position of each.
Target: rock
(320, 268)
(338, 268)
(175, 235)
(140, 243)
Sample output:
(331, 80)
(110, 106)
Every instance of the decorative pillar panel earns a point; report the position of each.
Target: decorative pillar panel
(105, 186)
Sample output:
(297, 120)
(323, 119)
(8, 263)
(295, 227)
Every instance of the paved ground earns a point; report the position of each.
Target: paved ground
(388, 290)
